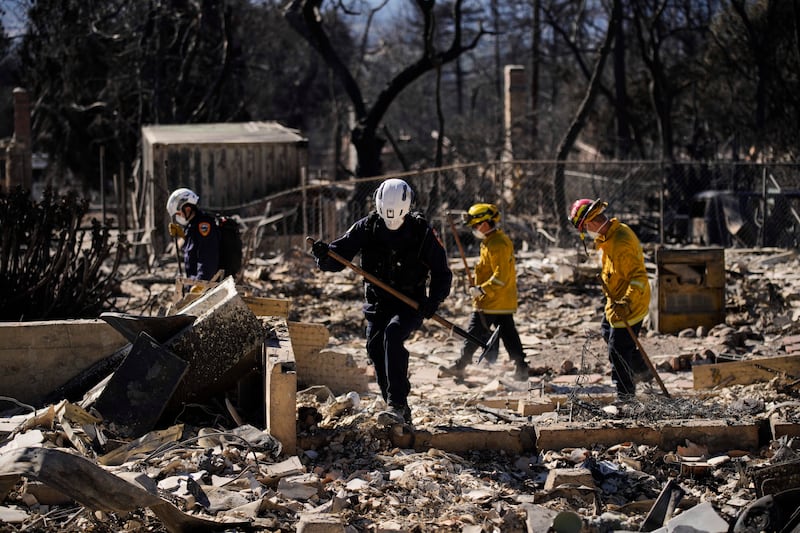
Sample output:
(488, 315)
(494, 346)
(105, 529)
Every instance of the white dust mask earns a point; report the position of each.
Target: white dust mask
(478, 234)
(595, 234)
(181, 220)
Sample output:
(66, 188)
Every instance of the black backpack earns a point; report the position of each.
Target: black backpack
(231, 247)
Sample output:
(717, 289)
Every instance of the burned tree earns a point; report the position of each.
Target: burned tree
(305, 18)
(579, 120)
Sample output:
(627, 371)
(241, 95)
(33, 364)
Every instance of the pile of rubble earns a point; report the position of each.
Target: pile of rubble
(487, 453)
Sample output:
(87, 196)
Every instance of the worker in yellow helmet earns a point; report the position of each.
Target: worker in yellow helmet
(494, 295)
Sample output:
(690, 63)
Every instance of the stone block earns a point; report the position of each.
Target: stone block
(568, 476)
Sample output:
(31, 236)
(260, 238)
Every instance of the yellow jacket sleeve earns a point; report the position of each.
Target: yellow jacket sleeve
(624, 271)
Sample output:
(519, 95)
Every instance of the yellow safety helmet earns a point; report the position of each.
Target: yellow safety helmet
(480, 213)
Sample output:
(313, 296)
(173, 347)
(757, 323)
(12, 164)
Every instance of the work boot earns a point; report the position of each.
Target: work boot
(396, 414)
(624, 398)
(407, 415)
(522, 372)
(457, 370)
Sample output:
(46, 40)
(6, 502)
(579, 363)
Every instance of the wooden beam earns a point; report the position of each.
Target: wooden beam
(745, 372)
(268, 306)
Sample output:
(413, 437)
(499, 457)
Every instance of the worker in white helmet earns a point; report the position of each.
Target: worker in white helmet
(401, 249)
(199, 231)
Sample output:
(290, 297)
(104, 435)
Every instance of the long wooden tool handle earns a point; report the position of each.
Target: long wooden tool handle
(460, 250)
(635, 338)
(400, 296)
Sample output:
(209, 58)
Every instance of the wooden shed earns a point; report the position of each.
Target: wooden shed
(230, 165)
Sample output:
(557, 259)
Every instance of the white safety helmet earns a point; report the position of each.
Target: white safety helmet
(179, 197)
(393, 202)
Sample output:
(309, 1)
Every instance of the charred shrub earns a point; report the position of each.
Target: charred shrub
(52, 265)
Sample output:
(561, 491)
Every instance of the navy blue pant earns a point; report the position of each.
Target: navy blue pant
(479, 327)
(386, 336)
(623, 354)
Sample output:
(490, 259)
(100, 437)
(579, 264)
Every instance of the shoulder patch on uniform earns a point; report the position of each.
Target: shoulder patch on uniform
(204, 228)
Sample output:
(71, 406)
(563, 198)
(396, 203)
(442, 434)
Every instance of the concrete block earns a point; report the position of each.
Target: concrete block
(780, 427)
(281, 402)
(320, 523)
(513, 439)
(571, 476)
(30, 351)
(717, 435)
(315, 366)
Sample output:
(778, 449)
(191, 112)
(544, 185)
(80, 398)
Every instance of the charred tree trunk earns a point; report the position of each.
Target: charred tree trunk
(579, 121)
(303, 17)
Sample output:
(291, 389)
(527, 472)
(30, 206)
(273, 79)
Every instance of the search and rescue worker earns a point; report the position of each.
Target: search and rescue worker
(199, 231)
(399, 248)
(628, 296)
(494, 295)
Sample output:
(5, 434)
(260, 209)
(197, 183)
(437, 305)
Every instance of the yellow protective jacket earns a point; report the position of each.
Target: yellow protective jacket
(496, 274)
(623, 271)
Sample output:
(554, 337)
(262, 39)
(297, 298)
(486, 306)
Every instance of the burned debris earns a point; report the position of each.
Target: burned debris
(263, 420)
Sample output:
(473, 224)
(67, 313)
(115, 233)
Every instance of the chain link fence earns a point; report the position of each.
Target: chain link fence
(707, 204)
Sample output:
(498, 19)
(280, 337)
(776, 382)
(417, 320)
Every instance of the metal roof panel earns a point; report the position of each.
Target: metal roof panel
(222, 133)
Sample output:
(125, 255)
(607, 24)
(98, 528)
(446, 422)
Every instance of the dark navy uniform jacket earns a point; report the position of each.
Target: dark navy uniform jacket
(404, 259)
(201, 247)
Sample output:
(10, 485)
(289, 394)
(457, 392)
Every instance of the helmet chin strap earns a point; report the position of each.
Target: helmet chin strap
(583, 242)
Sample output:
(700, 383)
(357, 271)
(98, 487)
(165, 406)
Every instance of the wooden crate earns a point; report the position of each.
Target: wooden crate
(690, 288)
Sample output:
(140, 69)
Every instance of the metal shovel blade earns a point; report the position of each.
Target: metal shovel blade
(491, 344)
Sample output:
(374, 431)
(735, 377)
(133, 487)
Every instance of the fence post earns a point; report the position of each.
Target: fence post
(661, 206)
(763, 205)
(303, 206)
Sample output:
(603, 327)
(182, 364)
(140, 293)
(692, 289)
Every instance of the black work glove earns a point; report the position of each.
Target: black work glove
(427, 308)
(319, 249)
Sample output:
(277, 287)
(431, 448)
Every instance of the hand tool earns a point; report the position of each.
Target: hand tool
(487, 346)
(635, 338)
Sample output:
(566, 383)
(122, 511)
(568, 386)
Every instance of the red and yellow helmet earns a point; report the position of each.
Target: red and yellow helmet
(584, 210)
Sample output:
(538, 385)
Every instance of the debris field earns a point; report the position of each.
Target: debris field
(486, 452)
